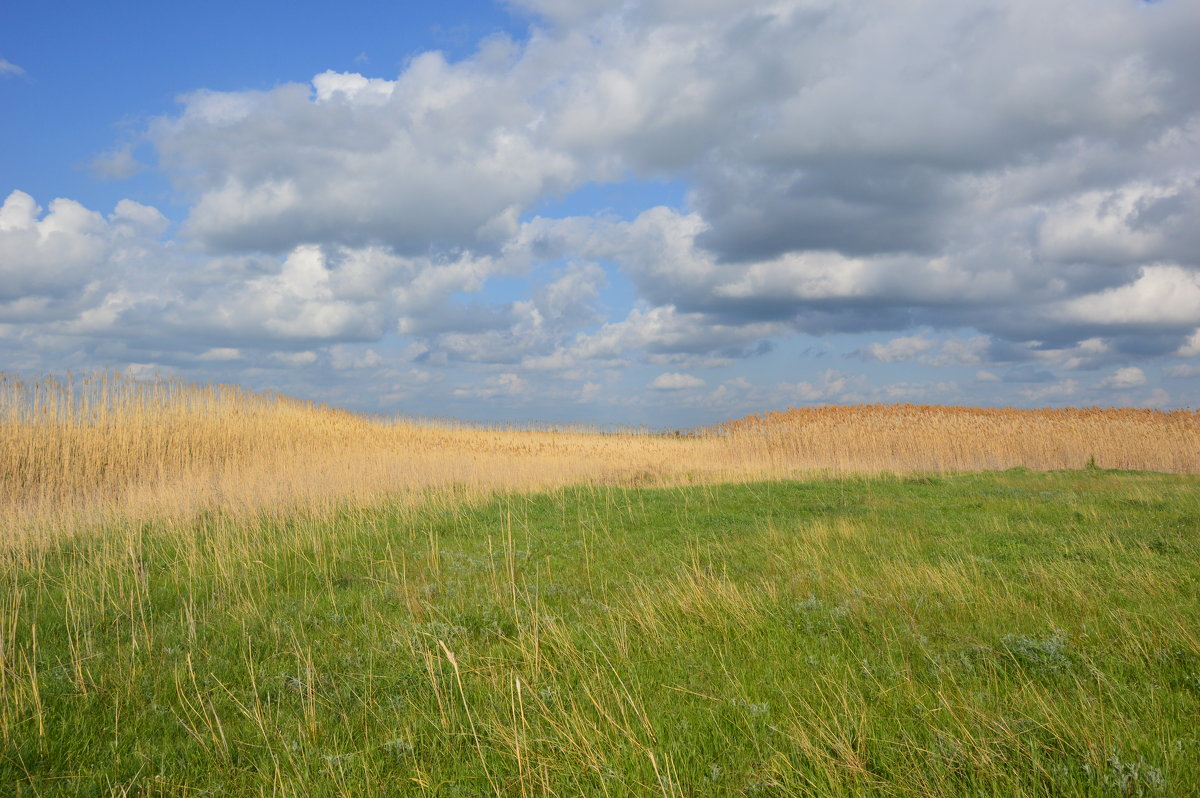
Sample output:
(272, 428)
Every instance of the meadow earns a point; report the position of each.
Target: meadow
(205, 591)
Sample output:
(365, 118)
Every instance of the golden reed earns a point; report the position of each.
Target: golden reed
(83, 450)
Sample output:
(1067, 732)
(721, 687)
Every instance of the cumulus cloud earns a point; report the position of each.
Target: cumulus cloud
(445, 154)
(296, 358)
(1161, 295)
(344, 357)
(55, 262)
(962, 352)
(675, 381)
(1008, 293)
(1134, 223)
(1031, 357)
(1191, 347)
(666, 331)
(45, 255)
(530, 330)
(897, 349)
(85, 274)
(1058, 392)
(307, 299)
(833, 386)
(508, 384)
(1124, 378)
(221, 353)
(590, 392)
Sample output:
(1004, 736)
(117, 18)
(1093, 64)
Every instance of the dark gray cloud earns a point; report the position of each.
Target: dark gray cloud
(856, 209)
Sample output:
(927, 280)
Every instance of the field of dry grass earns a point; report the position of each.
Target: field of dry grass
(905, 438)
(77, 451)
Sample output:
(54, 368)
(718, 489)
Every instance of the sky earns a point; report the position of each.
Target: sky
(662, 213)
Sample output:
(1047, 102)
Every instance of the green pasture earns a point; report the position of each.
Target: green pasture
(996, 634)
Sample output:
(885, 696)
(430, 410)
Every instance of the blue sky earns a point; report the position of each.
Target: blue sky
(661, 213)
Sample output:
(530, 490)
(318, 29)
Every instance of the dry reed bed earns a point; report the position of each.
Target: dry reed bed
(908, 437)
(79, 451)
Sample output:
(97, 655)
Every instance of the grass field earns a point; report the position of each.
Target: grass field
(1004, 633)
(206, 591)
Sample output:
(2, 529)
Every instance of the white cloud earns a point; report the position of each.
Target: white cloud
(937, 392)
(87, 275)
(342, 358)
(221, 354)
(664, 330)
(132, 219)
(50, 261)
(446, 153)
(60, 263)
(296, 359)
(1058, 391)
(352, 87)
(675, 381)
(8, 68)
(689, 360)
(897, 349)
(568, 299)
(823, 292)
(1133, 223)
(735, 393)
(1124, 378)
(833, 386)
(301, 301)
(145, 371)
(1192, 347)
(1162, 295)
(961, 352)
(508, 384)
(1088, 353)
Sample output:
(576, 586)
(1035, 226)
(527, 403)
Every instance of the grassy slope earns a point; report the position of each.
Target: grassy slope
(994, 634)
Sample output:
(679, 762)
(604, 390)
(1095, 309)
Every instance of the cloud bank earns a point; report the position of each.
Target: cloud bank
(979, 188)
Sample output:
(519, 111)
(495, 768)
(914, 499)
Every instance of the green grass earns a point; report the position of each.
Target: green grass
(995, 634)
